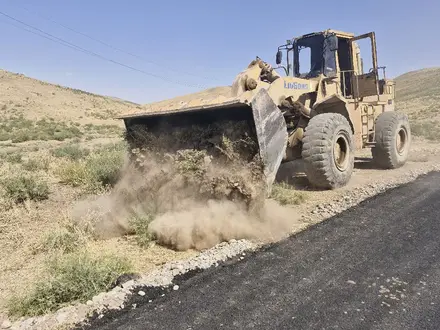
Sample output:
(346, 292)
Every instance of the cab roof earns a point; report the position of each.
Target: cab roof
(340, 34)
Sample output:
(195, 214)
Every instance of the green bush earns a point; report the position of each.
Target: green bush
(98, 170)
(105, 167)
(14, 158)
(286, 195)
(71, 278)
(103, 129)
(18, 129)
(72, 152)
(75, 174)
(36, 164)
(66, 240)
(139, 226)
(22, 187)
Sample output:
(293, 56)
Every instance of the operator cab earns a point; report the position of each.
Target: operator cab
(314, 54)
(334, 55)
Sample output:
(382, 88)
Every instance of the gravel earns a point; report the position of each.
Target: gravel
(357, 195)
(6, 324)
(163, 276)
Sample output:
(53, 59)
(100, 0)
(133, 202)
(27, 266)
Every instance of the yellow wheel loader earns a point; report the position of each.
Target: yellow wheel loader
(320, 107)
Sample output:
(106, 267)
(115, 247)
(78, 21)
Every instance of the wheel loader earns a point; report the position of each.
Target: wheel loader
(320, 107)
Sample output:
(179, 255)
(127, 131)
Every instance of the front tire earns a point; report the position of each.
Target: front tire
(328, 151)
(393, 139)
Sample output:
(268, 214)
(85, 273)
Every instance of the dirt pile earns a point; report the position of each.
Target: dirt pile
(199, 186)
(220, 160)
(205, 97)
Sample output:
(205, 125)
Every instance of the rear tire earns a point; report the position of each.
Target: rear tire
(393, 138)
(328, 151)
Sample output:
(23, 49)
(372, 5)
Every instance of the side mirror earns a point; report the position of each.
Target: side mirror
(279, 57)
(332, 42)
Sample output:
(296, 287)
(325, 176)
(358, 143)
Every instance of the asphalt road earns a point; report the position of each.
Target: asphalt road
(376, 266)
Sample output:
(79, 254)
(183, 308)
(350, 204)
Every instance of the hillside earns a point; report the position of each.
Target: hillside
(417, 92)
(418, 95)
(418, 85)
(36, 99)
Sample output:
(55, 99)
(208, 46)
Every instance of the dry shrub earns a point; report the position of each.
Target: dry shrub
(426, 129)
(66, 239)
(19, 129)
(14, 158)
(71, 278)
(37, 164)
(25, 186)
(71, 151)
(286, 195)
(95, 172)
(139, 226)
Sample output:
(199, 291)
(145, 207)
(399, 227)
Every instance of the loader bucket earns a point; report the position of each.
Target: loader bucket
(260, 118)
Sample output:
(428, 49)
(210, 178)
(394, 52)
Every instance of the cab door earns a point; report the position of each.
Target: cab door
(367, 84)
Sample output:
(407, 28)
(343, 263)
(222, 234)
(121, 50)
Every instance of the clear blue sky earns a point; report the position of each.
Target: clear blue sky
(213, 39)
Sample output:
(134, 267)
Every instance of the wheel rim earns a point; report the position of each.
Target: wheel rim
(341, 153)
(401, 140)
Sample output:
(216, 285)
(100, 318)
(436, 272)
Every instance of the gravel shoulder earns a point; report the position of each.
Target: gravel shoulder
(319, 205)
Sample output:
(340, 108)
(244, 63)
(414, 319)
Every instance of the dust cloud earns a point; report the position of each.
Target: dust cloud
(203, 226)
(183, 217)
(192, 198)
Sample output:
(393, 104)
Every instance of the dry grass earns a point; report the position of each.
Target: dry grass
(36, 99)
(286, 195)
(65, 239)
(70, 278)
(427, 129)
(139, 225)
(418, 95)
(71, 151)
(40, 163)
(35, 221)
(18, 129)
(33, 228)
(93, 172)
(24, 186)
